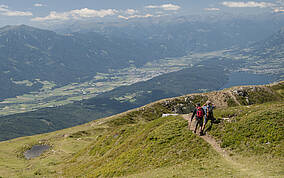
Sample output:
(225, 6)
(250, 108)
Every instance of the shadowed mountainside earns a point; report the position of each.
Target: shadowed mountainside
(31, 54)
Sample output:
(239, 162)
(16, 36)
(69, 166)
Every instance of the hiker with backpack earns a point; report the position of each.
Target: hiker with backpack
(208, 109)
(199, 112)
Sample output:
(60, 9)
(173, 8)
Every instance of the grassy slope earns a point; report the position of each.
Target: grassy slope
(255, 134)
(161, 143)
(124, 150)
(141, 144)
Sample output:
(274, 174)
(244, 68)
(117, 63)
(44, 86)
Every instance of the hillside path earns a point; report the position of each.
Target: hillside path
(208, 139)
(243, 168)
(234, 98)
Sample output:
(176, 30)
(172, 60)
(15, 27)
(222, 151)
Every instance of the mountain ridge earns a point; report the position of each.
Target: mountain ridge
(140, 141)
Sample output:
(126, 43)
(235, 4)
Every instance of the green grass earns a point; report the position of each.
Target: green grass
(140, 143)
(254, 130)
(146, 114)
(209, 167)
(162, 146)
(130, 149)
(254, 133)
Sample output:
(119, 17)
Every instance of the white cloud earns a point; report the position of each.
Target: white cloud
(131, 11)
(77, 14)
(212, 9)
(39, 5)
(152, 7)
(135, 16)
(278, 10)
(4, 10)
(17, 13)
(53, 16)
(87, 13)
(122, 17)
(247, 4)
(167, 7)
(279, 6)
(170, 7)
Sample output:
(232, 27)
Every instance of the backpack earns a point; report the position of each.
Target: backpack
(210, 111)
(199, 112)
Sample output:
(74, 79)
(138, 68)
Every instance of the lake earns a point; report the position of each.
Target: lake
(36, 151)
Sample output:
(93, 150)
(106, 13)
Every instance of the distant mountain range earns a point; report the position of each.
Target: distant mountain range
(275, 41)
(193, 33)
(266, 56)
(29, 56)
(28, 53)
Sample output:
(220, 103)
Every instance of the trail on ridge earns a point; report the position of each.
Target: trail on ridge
(210, 140)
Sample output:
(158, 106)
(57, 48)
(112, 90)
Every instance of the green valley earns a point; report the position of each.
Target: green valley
(51, 95)
(115, 101)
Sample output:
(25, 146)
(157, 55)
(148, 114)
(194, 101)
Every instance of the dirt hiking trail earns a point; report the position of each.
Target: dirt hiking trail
(244, 169)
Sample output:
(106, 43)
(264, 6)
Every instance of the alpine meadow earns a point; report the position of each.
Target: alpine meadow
(144, 88)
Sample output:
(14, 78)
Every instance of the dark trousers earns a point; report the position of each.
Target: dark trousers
(199, 121)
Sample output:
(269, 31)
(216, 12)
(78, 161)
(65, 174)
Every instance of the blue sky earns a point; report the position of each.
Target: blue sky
(51, 11)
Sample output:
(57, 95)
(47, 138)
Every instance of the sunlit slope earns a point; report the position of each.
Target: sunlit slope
(141, 143)
(122, 150)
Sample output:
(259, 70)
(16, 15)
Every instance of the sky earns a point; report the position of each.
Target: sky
(35, 12)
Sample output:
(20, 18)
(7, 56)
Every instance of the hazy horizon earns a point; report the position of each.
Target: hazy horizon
(44, 13)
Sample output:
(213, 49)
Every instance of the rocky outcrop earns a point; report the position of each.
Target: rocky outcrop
(243, 95)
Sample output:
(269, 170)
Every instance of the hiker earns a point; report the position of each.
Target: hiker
(208, 108)
(199, 112)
